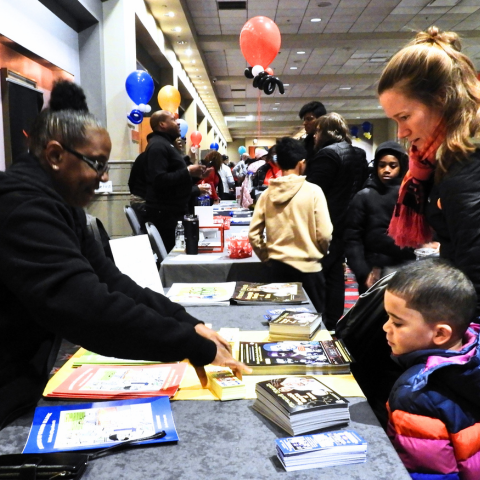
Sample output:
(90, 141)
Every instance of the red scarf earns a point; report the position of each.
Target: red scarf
(408, 226)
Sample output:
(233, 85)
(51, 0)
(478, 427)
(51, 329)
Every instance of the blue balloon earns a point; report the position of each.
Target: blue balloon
(242, 150)
(135, 116)
(139, 86)
(354, 131)
(214, 146)
(367, 127)
(183, 127)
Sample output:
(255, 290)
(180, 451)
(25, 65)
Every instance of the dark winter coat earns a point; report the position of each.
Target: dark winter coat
(339, 170)
(453, 211)
(55, 282)
(169, 184)
(367, 244)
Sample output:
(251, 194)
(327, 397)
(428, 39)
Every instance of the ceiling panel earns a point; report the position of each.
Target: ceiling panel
(341, 51)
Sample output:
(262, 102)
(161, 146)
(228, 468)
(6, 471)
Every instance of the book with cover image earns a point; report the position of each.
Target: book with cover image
(62, 428)
(301, 404)
(224, 384)
(197, 294)
(342, 447)
(296, 358)
(295, 325)
(258, 293)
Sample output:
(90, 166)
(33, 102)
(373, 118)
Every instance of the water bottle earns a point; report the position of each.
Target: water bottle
(180, 236)
(200, 201)
(206, 201)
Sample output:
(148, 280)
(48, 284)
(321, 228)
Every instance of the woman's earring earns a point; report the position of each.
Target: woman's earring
(55, 167)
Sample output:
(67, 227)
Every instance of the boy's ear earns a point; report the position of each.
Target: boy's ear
(442, 335)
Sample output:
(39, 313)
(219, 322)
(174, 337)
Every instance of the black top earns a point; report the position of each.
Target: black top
(56, 282)
(169, 184)
(457, 222)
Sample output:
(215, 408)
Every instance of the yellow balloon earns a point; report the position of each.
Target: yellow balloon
(169, 98)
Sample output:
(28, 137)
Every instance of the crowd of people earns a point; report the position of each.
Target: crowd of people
(318, 204)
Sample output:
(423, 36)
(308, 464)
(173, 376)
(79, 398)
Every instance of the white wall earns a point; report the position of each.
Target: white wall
(33, 26)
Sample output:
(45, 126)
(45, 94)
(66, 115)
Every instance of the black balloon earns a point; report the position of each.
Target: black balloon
(248, 72)
(264, 81)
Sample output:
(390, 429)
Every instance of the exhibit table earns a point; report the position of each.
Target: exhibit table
(227, 440)
(212, 267)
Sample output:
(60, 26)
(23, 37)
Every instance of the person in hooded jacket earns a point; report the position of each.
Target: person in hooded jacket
(370, 252)
(294, 214)
(434, 406)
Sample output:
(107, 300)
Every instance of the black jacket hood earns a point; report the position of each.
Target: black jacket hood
(395, 149)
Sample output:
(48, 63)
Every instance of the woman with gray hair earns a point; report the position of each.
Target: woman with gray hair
(55, 281)
(339, 169)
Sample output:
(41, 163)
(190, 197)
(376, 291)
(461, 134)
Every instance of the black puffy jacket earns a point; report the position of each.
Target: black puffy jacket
(367, 244)
(339, 170)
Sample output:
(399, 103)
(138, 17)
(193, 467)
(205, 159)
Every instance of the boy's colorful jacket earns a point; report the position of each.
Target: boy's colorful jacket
(434, 412)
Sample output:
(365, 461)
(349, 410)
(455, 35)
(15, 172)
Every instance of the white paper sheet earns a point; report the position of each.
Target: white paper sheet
(134, 257)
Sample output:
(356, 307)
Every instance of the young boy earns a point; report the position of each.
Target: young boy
(434, 407)
(295, 215)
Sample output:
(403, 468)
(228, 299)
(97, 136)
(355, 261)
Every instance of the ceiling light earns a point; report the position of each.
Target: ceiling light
(274, 108)
(345, 88)
(169, 14)
(300, 53)
(286, 84)
(278, 103)
(188, 51)
(177, 29)
(293, 68)
(316, 20)
(205, 86)
(193, 62)
(182, 42)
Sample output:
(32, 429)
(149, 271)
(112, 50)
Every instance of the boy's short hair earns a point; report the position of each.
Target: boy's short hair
(289, 153)
(437, 290)
(317, 109)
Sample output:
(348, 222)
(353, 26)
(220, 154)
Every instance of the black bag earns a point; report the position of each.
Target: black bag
(361, 330)
(32, 466)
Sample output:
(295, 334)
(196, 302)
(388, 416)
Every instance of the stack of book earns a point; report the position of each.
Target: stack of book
(63, 428)
(224, 384)
(295, 325)
(296, 358)
(111, 382)
(301, 404)
(328, 449)
(265, 293)
(86, 357)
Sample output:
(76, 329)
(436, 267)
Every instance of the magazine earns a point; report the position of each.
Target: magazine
(98, 425)
(258, 293)
(86, 357)
(197, 294)
(118, 381)
(301, 404)
(296, 357)
(342, 447)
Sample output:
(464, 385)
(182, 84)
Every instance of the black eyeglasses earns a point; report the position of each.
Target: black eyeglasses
(99, 167)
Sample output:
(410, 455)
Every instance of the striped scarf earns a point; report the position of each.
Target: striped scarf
(408, 226)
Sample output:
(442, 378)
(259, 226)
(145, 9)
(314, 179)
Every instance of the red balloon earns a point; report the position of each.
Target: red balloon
(260, 41)
(269, 71)
(196, 138)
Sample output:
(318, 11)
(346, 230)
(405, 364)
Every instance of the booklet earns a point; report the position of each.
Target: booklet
(117, 381)
(328, 449)
(295, 325)
(259, 293)
(98, 425)
(295, 357)
(197, 294)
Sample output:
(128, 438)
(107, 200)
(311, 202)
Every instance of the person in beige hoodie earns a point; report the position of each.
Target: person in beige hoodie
(294, 215)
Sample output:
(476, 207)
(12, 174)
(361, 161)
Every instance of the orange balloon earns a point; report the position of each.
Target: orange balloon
(169, 98)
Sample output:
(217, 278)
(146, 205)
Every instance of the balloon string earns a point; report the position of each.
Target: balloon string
(259, 111)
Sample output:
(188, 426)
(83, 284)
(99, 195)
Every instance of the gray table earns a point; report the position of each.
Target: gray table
(225, 441)
(210, 268)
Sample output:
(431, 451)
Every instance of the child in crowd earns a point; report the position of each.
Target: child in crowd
(434, 407)
(295, 215)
